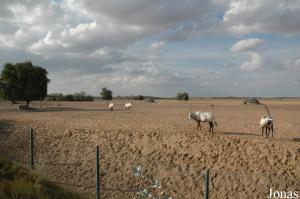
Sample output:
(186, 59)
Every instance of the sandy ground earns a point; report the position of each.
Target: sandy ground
(160, 138)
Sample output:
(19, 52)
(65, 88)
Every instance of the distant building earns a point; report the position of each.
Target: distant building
(250, 100)
(149, 99)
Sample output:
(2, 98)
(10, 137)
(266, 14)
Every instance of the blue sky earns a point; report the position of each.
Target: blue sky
(207, 48)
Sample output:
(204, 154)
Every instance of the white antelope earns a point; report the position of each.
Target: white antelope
(266, 123)
(203, 117)
(128, 106)
(111, 107)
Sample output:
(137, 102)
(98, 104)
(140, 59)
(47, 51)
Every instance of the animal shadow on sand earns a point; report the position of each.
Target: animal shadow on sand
(237, 133)
(296, 140)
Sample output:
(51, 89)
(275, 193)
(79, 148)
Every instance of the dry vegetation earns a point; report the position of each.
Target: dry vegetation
(160, 137)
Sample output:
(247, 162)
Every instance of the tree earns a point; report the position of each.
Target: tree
(79, 96)
(140, 97)
(106, 94)
(24, 82)
(69, 97)
(137, 97)
(182, 96)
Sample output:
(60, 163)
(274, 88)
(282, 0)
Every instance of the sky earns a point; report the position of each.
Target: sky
(156, 47)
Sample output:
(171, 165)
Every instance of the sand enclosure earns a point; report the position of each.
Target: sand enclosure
(160, 138)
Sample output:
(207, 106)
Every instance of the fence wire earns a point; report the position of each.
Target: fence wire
(176, 181)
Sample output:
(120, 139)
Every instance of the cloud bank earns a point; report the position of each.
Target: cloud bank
(155, 47)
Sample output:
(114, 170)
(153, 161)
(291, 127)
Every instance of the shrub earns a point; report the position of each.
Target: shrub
(69, 97)
(106, 94)
(17, 182)
(182, 96)
(140, 97)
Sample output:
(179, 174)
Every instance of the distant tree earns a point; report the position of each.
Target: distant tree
(137, 97)
(69, 97)
(182, 96)
(106, 94)
(140, 97)
(89, 98)
(55, 95)
(24, 82)
(79, 96)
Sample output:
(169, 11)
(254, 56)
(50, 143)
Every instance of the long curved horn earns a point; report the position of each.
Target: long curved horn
(187, 106)
(267, 109)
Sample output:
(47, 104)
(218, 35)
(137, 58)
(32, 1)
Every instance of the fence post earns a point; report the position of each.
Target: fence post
(31, 149)
(206, 191)
(97, 173)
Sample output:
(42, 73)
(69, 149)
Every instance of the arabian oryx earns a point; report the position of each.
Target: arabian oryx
(128, 106)
(111, 107)
(266, 123)
(203, 117)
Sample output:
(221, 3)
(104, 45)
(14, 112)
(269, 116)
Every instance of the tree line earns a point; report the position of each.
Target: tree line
(81, 96)
(27, 82)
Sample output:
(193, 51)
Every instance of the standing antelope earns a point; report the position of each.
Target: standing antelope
(266, 123)
(111, 107)
(203, 117)
(128, 106)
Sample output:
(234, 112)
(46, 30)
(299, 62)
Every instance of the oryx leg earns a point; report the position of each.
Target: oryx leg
(272, 129)
(211, 127)
(267, 131)
(198, 125)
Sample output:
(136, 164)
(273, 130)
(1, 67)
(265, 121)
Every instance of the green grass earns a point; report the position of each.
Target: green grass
(20, 183)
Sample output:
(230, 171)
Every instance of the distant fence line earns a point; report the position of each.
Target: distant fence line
(45, 104)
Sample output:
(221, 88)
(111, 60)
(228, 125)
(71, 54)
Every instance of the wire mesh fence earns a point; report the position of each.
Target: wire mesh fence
(171, 179)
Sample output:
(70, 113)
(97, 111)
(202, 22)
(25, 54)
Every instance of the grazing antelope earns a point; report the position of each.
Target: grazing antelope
(111, 107)
(128, 106)
(266, 123)
(203, 117)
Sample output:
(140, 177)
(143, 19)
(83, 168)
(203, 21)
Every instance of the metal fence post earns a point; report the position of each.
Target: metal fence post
(206, 191)
(31, 148)
(97, 173)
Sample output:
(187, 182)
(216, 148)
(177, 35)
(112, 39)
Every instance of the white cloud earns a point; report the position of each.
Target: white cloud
(246, 44)
(87, 25)
(267, 16)
(156, 45)
(256, 62)
(134, 77)
(292, 64)
(108, 41)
